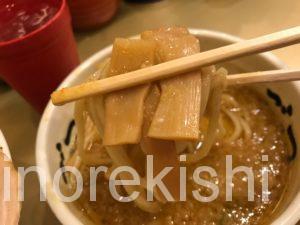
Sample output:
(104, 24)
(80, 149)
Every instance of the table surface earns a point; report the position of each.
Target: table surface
(244, 18)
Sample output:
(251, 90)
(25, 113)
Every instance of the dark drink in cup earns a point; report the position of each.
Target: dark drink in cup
(19, 18)
(37, 47)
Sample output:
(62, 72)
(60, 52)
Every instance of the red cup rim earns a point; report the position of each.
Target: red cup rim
(44, 26)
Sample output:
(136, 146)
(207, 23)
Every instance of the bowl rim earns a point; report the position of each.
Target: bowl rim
(61, 210)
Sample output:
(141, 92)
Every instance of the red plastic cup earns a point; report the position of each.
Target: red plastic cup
(36, 63)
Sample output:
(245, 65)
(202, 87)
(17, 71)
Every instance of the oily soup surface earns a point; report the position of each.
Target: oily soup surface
(267, 139)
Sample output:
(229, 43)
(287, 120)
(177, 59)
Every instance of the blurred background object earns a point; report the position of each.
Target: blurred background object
(142, 1)
(89, 14)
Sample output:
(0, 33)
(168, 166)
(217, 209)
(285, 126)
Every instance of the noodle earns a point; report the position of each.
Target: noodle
(119, 156)
(246, 128)
(237, 130)
(80, 123)
(214, 106)
(207, 73)
(239, 123)
(91, 121)
(93, 107)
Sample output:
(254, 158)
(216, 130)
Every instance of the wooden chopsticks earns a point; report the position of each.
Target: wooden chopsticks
(264, 77)
(190, 63)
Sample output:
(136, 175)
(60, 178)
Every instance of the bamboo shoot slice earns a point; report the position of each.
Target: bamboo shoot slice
(178, 114)
(172, 43)
(163, 151)
(124, 108)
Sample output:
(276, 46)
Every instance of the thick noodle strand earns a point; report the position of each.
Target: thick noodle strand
(214, 107)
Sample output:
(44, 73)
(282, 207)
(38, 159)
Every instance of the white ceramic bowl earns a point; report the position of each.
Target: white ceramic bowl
(55, 122)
